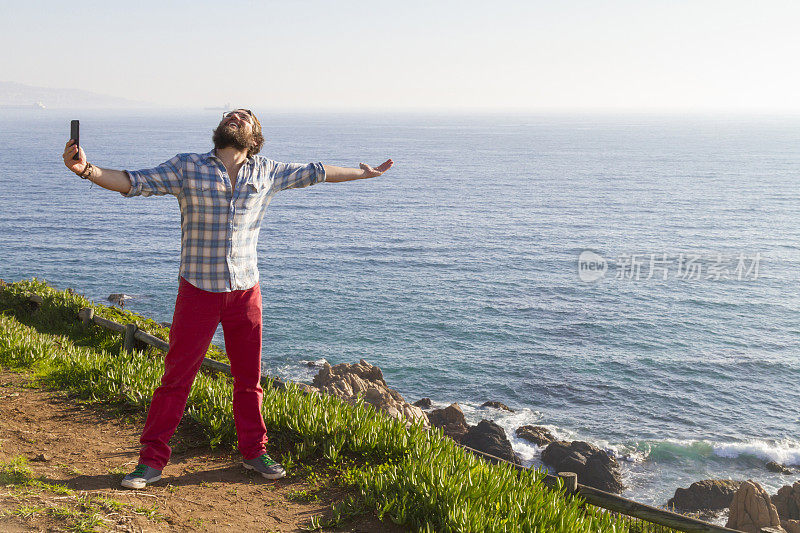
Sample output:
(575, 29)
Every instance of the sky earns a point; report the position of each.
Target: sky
(414, 55)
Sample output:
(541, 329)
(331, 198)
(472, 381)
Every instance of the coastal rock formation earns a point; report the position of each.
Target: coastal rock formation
(538, 435)
(497, 405)
(363, 379)
(751, 509)
(594, 467)
(451, 420)
(787, 502)
(119, 299)
(490, 438)
(774, 466)
(791, 526)
(424, 403)
(486, 436)
(705, 495)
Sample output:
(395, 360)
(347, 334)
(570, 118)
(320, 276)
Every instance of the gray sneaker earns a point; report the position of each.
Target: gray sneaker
(141, 477)
(265, 466)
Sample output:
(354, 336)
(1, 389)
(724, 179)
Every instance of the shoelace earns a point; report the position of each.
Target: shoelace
(139, 470)
(267, 460)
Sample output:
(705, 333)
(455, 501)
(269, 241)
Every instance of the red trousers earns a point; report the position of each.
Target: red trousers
(197, 314)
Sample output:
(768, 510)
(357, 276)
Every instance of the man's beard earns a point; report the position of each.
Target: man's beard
(225, 137)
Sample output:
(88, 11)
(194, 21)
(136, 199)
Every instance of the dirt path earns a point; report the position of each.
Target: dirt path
(89, 447)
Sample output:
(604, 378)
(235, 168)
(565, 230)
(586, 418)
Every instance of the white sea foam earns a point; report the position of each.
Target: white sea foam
(300, 371)
(785, 451)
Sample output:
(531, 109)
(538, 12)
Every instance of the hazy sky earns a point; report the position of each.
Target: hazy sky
(631, 55)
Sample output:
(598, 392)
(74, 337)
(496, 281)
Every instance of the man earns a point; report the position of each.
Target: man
(223, 195)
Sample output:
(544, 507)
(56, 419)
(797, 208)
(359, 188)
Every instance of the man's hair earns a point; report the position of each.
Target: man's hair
(258, 138)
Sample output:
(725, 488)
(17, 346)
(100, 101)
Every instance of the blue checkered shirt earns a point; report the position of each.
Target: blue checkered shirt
(220, 226)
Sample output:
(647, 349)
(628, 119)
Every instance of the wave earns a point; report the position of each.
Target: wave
(302, 371)
(785, 451)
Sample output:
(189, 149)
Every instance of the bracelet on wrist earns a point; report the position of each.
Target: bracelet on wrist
(87, 171)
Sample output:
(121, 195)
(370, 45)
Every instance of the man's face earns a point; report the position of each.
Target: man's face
(235, 130)
(237, 119)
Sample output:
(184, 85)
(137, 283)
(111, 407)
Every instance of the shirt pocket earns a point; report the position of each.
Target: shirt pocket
(252, 194)
(204, 193)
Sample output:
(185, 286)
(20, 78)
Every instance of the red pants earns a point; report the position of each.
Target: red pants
(197, 314)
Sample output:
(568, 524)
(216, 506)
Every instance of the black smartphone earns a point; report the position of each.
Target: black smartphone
(74, 134)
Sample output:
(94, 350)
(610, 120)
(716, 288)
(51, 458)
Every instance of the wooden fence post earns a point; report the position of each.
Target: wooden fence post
(35, 301)
(86, 315)
(130, 331)
(570, 481)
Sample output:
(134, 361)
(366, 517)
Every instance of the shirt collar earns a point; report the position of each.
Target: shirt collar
(211, 155)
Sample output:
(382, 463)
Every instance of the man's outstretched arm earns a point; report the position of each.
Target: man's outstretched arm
(113, 180)
(337, 174)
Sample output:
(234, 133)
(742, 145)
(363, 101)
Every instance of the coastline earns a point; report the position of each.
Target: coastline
(499, 411)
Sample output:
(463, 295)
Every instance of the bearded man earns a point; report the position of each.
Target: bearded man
(223, 195)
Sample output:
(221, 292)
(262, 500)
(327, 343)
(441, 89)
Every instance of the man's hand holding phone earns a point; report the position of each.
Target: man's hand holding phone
(75, 160)
(70, 150)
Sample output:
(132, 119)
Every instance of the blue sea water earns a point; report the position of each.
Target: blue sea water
(457, 271)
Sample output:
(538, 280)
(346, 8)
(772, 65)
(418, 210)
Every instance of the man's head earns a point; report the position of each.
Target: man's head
(239, 129)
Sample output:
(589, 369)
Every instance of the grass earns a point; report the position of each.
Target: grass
(119, 471)
(302, 496)
(58, 314)
(414, 477)
(79, 513)
(15, 472)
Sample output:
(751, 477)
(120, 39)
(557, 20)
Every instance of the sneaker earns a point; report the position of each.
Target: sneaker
(266, 466)
(139, 478)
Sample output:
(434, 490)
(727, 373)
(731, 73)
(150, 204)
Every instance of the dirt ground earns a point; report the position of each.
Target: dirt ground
(88, 447)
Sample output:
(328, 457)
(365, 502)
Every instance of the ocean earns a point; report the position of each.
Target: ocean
(629, 280)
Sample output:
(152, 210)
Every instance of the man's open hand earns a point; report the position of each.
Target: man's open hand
(377, 171)
(75, 165)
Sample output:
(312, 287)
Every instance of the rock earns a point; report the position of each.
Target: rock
(751, 509)
(451, 420)
(594, 466)
(787, 501)
(42, 457)
(791, 526)
(705, 495)
(490, 438)
(119, 298)
(774, 466)
(498, 405)
(536, 434)
(308, 389)
(450, 415)
(424, 403)
(365, 380)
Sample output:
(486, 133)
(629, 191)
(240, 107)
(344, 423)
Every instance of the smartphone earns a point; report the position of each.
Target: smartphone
(74, 134)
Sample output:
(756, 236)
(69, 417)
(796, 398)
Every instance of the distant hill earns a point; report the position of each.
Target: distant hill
(14, 94)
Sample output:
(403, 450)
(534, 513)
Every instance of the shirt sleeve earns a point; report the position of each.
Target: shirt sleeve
(296, 175)
(166, 178)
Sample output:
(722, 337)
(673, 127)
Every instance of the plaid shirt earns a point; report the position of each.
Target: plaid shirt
(220, 226)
